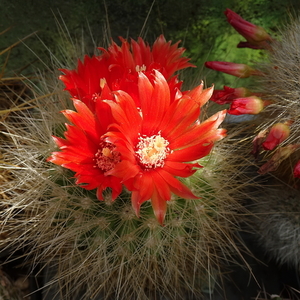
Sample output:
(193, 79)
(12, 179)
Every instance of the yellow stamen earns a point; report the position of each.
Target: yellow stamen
(152, 151)
(102, 82)
(106, 152)
(141, 68)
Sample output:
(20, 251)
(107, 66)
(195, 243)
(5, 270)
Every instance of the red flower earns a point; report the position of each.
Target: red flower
(249, 105)
(238, 70)
(85, 152)
(228, 94)
(278, 133)
(164, 57)
(118, 66)
(157, 140)
(255, 35)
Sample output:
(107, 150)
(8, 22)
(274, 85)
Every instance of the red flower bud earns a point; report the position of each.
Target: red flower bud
(256, 36)
(238, 70)
(278, 133)
(228, 94)
(249, 105)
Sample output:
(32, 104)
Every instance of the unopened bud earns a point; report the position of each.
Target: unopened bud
(278, 133)
(238, 70)
(249, 105)
(256, 36)
(228, 94)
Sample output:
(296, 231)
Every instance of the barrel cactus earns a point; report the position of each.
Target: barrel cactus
(137, 195)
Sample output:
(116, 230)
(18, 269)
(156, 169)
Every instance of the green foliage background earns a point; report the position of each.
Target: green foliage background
(199, 24)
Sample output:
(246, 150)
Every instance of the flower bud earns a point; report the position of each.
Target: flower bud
(249, 105)
(278, 133)
(256, 36)
(228, 94)
(238, 70)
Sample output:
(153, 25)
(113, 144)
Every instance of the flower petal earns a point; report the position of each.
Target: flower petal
(176, 186)
(159, 206)
(191, 153)
(154, 101)
(181, 169)
(201, 133)
(124, 170)
(199, 95)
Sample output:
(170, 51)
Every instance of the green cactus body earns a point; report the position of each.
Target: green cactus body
(101, 247)
(131, 255)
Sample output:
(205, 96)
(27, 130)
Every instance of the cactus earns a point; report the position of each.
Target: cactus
(279, 84)
(102, 248)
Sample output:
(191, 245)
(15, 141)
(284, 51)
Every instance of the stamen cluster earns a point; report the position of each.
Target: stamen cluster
(106, 157)
(152, 151)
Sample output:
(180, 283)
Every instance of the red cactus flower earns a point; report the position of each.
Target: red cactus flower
(85, 152)
(256, 36)
(163, 56)
(238, 70)
(249, 105)
(157, 140)
(278, 133)
(118, 67)
(228, 94)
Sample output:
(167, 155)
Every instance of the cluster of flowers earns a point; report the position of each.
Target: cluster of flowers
(133, 126)
(243, 101)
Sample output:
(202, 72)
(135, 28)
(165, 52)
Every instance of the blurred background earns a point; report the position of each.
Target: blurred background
(199, 24)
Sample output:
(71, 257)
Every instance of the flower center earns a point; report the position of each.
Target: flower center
(140, 68)
(95, 96)
(152, 151)
(106, 157)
